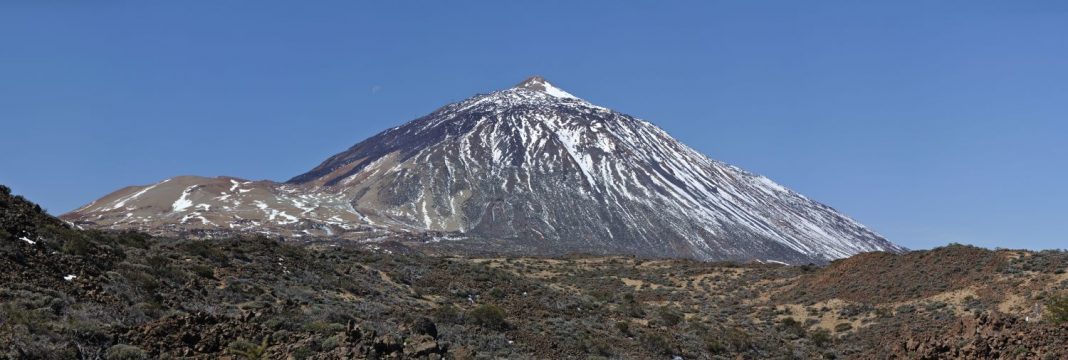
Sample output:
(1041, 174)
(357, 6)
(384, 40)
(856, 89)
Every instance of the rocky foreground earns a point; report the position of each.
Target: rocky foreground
(68, 293)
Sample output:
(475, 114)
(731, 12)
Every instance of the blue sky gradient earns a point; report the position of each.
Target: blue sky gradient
(930, 121)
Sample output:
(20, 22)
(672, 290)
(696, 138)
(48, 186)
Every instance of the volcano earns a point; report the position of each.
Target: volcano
(528, 170)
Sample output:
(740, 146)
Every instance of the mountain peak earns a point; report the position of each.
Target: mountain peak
(524, 170)
(538, 83)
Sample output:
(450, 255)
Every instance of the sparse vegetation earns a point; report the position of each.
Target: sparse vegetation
(125, 352)
(820, 337)
(669, 317)
(248, 350)
(1057, 306)
(134, 296)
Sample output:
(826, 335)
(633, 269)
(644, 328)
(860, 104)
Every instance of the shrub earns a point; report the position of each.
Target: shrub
(820, 337)
(248, 350)
(854, 310)
(632, 307)
(125, 352)
(488, 316)
(656, 344)
(132, 239)
(791, 326)
(599, 346)
(842, 327)
(77, 246)
(142, 279)
(935, 306)
(1020, 350)
(331, 342)
(425, 326)
(203, 271)
(448, 314)
(322, 327)
(737, 339)
(206, 249)
(669, 316)
(715, 346)
(302, 353)
(1058, 308)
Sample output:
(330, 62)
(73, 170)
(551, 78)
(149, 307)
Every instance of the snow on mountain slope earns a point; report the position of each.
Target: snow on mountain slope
(530, 169)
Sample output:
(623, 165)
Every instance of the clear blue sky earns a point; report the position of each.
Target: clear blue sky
(930, 121)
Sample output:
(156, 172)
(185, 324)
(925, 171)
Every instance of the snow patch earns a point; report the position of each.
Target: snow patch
(557, 92)
(138, 194)
(770, 184)
(183, 201)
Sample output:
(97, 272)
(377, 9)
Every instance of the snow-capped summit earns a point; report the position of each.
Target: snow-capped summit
(530, 169)
(538, 83)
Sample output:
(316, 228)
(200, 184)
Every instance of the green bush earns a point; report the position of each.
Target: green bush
(905, 309)
(488, 316)
(448, 314)
(820, 337)
(599, 347)
(715, 346)
(125, 352)
(204, 271)
(331, 343)
(77, 246)
(1058, 308)
(139, 277)
(35, 320)
(669, 316)
(656, 344)
(632, 307)
(302, 353)
(322, 327)
(248, 350)
(206, 249)
(791, 326)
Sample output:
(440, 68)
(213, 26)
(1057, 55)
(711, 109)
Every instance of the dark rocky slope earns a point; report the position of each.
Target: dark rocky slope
(134, 296)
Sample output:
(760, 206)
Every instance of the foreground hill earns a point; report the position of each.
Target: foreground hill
(68, 293)
(528, 170)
